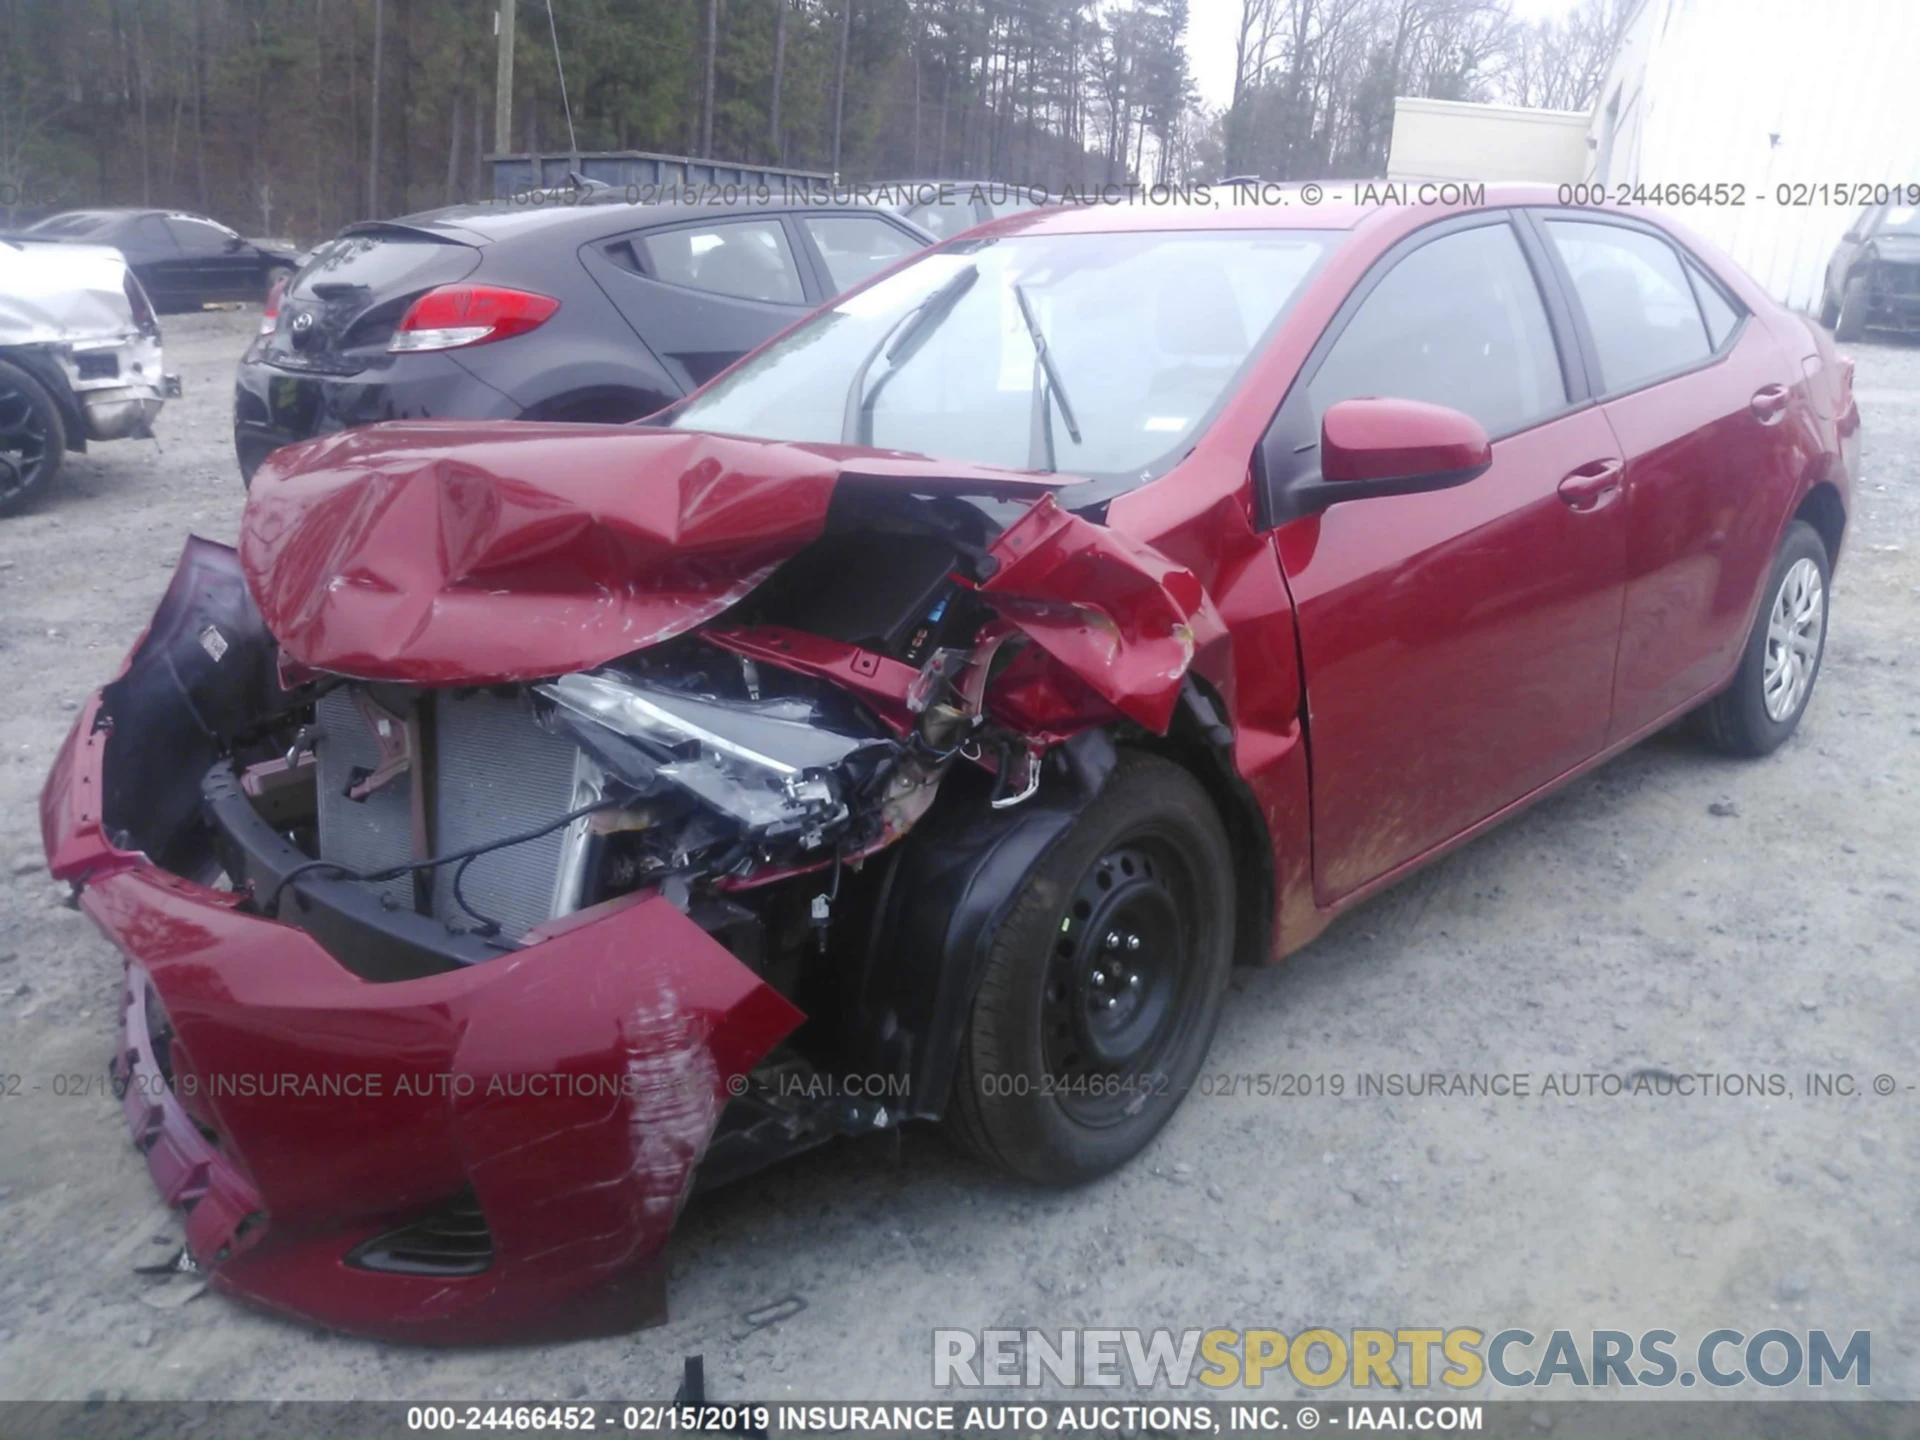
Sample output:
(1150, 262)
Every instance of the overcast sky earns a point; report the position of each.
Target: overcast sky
(1213, 25)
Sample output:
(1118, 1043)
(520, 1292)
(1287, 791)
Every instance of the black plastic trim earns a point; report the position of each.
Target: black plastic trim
(349, 920)
(959, 873)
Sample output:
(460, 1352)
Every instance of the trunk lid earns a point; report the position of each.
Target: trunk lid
(341, 308)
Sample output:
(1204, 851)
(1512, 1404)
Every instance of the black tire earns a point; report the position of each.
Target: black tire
(1829, 307)
(1068, 1067)
(1851, 323)
(1737, 720)
(33, 439)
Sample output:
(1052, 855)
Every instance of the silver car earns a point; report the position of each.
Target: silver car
(80, 360)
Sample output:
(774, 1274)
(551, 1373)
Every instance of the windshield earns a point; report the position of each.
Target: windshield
(1900, 220)
(1098, 354)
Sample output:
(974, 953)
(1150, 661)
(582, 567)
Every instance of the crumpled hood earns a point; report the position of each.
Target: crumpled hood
(57, 293)
(460, 552)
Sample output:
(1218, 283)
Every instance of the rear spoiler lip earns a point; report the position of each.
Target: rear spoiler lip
(440, 234)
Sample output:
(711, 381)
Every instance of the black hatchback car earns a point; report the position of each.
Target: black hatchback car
(182, 260)
(596, 311)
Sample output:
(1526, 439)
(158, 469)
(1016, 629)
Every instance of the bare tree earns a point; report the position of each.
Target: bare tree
(1560, 63)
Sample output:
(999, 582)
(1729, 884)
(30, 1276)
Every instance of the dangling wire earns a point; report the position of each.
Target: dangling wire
(573, 141)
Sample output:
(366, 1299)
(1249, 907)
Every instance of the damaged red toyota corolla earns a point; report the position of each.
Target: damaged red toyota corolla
(531, 823)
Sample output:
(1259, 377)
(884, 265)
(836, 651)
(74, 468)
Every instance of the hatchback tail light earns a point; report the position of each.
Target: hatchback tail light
(270, 308)
(451, 316)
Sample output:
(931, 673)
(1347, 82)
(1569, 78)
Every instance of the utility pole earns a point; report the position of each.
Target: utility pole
(373, 148)
(840, 84)
(503, 22)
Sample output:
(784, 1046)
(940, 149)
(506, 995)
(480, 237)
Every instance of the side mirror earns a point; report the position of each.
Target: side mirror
(235, 245)
(1371, 448)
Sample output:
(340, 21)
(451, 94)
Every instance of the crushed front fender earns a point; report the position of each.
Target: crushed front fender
(1114, 612)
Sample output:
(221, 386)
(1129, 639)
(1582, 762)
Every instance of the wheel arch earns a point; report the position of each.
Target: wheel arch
(947, 887)
(1823, 509)
(1200, 740)
(42, 368)
(952, 881)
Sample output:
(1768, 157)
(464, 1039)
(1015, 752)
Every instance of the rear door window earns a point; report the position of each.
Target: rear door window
(199, 237)
(154, 236)
(1460, 323)
(856, 246)
(1640, 310)
(1715, 308)
(746, 259)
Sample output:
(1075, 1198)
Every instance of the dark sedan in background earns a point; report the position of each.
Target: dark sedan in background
(183, 260)
(595, 312)
(1873, 279)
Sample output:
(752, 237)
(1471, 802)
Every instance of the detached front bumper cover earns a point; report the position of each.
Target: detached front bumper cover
(296, 1112)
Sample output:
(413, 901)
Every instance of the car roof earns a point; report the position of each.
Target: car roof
(128, 212)
(1336, 205)
(483, 222)
(110, 212)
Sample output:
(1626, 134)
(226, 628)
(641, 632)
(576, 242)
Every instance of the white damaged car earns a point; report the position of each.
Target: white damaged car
(80, 360)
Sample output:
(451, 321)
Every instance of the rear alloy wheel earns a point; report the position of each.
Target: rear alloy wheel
(1770, 690)
(1103, 985)
(32, 439)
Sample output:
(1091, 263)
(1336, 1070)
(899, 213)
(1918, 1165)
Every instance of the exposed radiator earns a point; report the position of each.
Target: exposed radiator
(496, 772)
(499, 773)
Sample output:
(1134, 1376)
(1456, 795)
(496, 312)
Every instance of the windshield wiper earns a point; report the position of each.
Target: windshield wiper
(903, 337)
(1040, 447)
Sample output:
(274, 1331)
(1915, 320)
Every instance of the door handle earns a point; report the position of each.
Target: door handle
(1769, 402)
(1592, 485)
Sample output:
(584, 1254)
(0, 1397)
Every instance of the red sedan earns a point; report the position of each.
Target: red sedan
(529, 823)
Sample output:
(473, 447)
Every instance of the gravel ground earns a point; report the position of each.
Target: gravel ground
(1673, 910)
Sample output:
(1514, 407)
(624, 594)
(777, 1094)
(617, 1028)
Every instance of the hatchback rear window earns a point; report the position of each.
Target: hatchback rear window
(386, 262)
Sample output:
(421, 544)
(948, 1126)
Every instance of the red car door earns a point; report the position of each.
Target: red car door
(1695, 394)
(1458, 646)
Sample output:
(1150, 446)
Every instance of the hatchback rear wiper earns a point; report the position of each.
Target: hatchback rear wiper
(903, 337)
(1040, 446)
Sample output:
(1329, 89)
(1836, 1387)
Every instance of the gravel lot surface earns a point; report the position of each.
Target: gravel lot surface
(1674, 910)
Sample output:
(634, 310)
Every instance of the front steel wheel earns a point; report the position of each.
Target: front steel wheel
(1103, 985)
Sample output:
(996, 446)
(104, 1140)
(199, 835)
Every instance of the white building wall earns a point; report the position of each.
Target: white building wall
(1458, 140)
(1761, 93)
